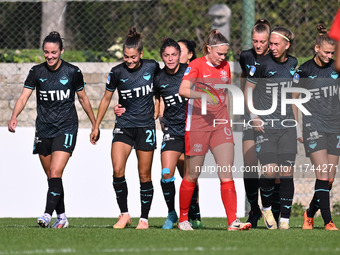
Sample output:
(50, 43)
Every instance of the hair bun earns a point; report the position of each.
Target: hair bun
(262, 21)
(54, 34)
(321, 29)
(133, 33)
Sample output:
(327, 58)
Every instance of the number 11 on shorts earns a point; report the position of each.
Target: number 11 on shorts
(68, 140)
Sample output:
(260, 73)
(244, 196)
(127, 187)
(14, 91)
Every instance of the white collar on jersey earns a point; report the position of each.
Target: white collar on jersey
(210, 64)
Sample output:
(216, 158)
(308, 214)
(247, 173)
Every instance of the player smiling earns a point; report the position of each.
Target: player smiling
(135, 128)
(56, 83)
(321, 130)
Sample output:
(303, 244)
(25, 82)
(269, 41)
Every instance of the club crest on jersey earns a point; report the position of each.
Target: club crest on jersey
(224, 76)
(334, 75)
(108, 79)
(312, 144)
(64, 80)
(147, 76)
(292, 71)
(258, 147)
(252, 71)
(187, 71)
(296, 78)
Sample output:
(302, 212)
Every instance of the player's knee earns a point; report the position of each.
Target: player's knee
(55, 173)
(191, 177)
(167, 176)
(118, 170)
(144, 178)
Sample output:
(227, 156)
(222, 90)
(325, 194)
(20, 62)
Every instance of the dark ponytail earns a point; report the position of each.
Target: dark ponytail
(53, 37)
(169, 42)
(133, 40)
(323, 36)
(191, 45)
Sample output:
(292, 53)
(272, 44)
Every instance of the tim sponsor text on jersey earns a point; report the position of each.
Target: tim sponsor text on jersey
(173, 99)
(137, 92)
(54, 95)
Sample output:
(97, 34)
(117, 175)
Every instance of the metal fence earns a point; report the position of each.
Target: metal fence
(90, 28)
(97, 25)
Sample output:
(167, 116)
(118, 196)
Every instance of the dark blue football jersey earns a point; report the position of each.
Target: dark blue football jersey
(55, 90)
(323, 83)
(247, 60)
(135, 91)
(167, 85)
(269, 76)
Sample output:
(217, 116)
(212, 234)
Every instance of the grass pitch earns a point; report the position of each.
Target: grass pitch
(96, 236)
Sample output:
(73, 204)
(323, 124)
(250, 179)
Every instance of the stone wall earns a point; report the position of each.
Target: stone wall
(12, 77)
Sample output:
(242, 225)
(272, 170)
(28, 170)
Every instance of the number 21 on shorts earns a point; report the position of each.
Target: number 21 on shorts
(151, 137)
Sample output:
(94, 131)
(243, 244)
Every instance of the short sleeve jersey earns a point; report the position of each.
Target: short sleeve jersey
(247, 60)
(55, 90)
(204, 76)
(167, 85)
(270, 76)
(324, 105)
(335, 29)
(135, 91)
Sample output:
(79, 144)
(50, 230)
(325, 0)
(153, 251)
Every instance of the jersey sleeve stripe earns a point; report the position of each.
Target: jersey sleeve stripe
(252, 81)
(112, 90)
(28, 87)
(81, 88)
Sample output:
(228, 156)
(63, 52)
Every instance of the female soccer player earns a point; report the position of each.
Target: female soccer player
(321, 129)
(56, 82)
(275, 132)
(260, 41)
(188, 52)
(135, 128)
(166, 84)
(201, 135)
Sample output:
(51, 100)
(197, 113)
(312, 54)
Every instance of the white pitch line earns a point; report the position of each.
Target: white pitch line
(137, 250)
(119, 250)
(40, 251)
